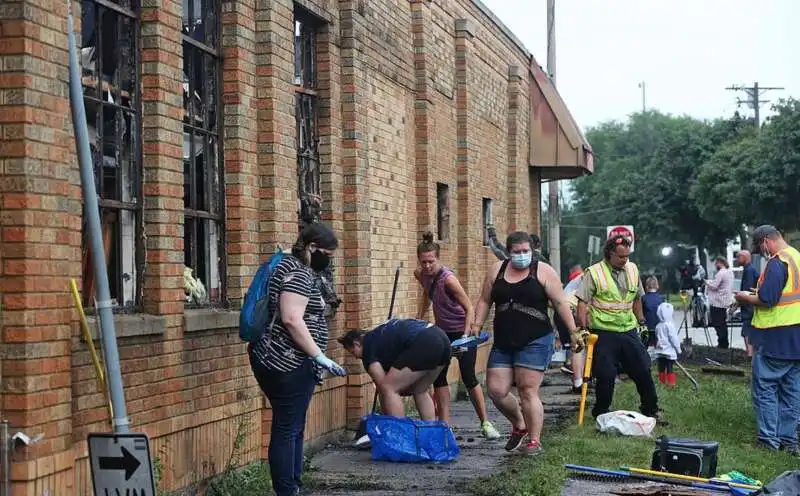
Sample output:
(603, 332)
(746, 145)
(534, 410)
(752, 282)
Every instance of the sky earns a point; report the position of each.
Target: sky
(687, 53)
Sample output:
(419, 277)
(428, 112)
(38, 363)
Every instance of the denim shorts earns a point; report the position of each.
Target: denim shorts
(535, 355)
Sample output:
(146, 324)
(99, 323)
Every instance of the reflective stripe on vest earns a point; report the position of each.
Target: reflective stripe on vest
(787, 311)
(609, 310)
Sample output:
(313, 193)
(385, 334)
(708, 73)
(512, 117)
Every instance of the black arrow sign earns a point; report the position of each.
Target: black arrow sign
(126, 462)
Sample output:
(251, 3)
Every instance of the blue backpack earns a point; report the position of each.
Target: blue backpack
(254, 318)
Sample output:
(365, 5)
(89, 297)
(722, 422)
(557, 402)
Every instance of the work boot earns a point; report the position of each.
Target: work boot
(660, 419)
(672, 379)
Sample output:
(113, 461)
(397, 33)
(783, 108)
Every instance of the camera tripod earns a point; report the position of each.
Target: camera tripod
(685, 322)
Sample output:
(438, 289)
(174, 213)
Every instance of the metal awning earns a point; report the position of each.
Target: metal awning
(558, 148)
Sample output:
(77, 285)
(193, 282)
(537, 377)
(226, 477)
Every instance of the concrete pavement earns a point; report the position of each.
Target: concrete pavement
(339, 469)
(708, 336)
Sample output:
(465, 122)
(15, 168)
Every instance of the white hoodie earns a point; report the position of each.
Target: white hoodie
(669, 343)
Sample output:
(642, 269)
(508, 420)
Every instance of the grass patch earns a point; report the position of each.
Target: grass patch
(721, 411)
(675, 300)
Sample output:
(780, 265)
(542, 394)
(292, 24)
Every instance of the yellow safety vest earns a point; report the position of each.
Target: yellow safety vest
(787, 311)
(609, 310)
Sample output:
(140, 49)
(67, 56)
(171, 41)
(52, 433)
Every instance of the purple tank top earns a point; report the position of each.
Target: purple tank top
(449, 314)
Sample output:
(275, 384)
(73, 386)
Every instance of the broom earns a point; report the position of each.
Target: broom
(362, 426)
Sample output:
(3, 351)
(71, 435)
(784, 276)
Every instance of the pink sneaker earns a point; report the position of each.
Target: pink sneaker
(533, 448)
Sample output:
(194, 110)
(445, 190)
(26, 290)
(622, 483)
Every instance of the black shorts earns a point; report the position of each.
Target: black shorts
(430, 349)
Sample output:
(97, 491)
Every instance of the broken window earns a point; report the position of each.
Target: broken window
(203, 195)
(306, 112)
(487, 219)
(110, 79)
(306, 116)
(443, 211)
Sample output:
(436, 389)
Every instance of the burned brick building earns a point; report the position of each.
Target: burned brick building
(217, 128)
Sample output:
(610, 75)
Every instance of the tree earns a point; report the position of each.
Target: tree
(645, 170)
(719, 193)
(775, 181)
(754, 178)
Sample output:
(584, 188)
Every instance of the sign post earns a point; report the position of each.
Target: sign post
(594, 247)
(120, 465)
(624, 230)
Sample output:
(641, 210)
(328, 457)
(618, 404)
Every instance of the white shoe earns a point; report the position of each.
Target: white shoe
(362, 442)
(488, 430)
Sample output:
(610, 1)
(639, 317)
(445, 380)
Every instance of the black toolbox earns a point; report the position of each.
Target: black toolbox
(686, 457)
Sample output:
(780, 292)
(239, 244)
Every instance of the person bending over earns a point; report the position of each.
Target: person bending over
(403, 357)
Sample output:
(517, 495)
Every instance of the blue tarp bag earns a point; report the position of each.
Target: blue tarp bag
(407, 440)
(254, 317)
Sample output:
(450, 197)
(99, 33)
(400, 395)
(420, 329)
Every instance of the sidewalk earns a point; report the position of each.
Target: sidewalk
(700, 338)
(340, 469)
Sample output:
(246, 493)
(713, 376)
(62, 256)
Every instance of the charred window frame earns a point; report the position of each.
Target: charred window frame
(443, 211)
(486, 208)
(306, 28)
(204, 195)
(111, 92)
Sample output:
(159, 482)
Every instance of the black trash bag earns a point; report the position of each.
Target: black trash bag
(786, 484)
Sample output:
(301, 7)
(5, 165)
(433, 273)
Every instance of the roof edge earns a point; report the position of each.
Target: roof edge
(503, 28)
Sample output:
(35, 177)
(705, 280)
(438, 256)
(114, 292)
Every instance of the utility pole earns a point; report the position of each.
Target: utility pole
(554, 238)
(753, 98)
(754, 101)
(94, 232)
(642, 86)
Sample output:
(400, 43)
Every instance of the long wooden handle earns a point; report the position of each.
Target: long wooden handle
(587, 375)
(391, 312)
(691, 478)
(87, 335)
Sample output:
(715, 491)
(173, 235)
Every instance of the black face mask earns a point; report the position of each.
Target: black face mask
(319, 260)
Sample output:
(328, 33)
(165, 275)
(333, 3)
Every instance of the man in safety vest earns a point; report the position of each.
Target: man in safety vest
(776, 338)
(609, 304)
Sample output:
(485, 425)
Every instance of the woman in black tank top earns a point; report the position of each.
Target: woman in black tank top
(520, 309)
(520, 289)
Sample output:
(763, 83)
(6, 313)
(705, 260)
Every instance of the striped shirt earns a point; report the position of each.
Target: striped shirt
(276, 350)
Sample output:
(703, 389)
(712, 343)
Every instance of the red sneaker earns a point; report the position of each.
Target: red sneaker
(516, 438)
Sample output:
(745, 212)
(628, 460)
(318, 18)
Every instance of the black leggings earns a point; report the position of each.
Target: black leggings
(466, 364)
(665, 364)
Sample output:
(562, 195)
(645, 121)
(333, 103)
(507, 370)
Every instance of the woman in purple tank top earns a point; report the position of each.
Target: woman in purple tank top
(452, 311)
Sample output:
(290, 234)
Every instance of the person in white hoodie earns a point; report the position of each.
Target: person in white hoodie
(668, 346)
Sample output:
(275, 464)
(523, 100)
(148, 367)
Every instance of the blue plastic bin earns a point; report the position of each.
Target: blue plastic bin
(395, 439)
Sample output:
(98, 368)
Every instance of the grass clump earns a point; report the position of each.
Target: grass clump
(720, 411)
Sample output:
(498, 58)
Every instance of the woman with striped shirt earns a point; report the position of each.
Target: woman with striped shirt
(289, 361)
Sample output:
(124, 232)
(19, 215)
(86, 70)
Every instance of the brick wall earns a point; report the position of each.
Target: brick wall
(411, 94)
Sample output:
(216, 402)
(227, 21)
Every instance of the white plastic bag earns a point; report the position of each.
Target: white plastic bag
(626, 423)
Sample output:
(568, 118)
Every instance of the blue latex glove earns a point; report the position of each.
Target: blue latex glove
(329, 365)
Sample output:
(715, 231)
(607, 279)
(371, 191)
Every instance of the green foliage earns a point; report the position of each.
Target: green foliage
(720, 411)
(250, 479)
(682, 180)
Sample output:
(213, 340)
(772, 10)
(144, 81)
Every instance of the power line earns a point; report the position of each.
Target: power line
(592, 212)
(754, 100)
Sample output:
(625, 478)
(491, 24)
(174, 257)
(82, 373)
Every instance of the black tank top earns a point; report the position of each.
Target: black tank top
(520, 315)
